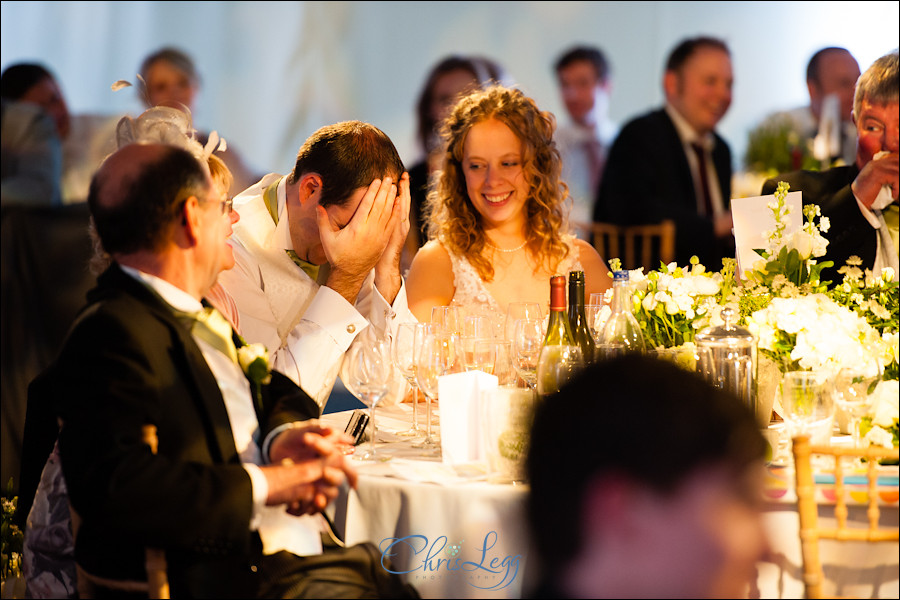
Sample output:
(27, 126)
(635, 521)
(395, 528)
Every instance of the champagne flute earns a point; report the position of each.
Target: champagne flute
(527, 343)
(370, 372)
(520, 310)
(436, 358)
(406, 344)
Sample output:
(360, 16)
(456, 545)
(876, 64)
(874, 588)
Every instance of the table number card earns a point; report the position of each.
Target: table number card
(753, 220)
(459, 396)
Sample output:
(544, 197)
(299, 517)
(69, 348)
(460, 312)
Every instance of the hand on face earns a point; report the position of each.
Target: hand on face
(398, 225)
(877, 131)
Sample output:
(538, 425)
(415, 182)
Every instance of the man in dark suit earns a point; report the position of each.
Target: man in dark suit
(233, 466)
(654, 171)
(860, 200)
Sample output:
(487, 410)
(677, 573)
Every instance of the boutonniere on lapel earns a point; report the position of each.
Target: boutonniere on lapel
(254, 361)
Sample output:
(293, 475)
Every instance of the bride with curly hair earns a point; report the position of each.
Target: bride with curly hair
(497, 213)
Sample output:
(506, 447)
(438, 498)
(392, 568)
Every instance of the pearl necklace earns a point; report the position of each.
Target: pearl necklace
(507, 251)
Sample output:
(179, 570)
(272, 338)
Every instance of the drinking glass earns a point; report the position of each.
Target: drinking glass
(851, 388)
(528, 340)
(520, 310)
(808, 404)
(475, 327)
(596, 318)
(503, 367)
(447, 318)
(370, 374)
(436, 358)
(407, 342)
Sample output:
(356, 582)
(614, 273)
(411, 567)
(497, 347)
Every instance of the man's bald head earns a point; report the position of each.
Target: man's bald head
(138, 194)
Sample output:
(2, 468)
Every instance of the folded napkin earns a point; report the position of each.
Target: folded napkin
(459, 398)
(885, 194)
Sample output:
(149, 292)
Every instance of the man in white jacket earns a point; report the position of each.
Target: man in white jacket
(318, 253)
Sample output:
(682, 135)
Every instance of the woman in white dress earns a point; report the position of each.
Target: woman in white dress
(497, 218)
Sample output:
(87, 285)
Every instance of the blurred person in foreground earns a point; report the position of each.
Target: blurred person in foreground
(241, 471)
(585, 82)
(497, 218)
(860, 199)
(673, 514)
(317, 253)
(656, 166)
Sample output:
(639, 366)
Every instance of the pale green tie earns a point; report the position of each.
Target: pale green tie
(890, 215)
(210, 326)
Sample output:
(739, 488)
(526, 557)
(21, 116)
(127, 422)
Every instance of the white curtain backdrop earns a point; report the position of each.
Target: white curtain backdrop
(273, 72)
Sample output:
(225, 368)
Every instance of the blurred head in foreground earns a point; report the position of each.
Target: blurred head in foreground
(661, 497)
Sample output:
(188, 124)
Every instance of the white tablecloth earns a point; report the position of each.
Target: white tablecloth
(462, 537)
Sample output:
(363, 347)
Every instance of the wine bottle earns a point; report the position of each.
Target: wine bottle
(621, 333)
(561, 355)
(578, 322)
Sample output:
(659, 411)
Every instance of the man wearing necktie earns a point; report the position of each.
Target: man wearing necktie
(318, 253)
(671, 164)
(227, 495)
(860, 200)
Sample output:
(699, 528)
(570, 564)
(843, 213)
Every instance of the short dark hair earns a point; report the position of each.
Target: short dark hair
(684, 50)
(645, 419)
(347, 155)
(812, 68)
(147, 205)
(17, 79)
(591, 54)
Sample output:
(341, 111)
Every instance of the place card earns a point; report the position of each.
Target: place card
(459, 399)
(753, 220)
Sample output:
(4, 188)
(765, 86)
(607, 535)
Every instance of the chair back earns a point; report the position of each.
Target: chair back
(808, 510)
(157, 584)
(636, 245)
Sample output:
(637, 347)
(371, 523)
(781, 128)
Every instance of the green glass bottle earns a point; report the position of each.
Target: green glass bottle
(578, 322)
(561, 356)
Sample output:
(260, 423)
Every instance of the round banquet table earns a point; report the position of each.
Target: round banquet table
(453, 534)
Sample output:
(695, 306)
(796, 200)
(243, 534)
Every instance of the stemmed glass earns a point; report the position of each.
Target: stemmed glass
(370, 374)
(807, 403)
(520, 310)
(406, 347)
(528, 340)
(475, 329)
(851, 389)
(447, 318)
(437, 356)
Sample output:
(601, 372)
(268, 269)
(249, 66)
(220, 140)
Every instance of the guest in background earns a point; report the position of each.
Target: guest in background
(448, 80)
(31, 156)
(585, 83)
(671, 164)
(860, 199)
(86, 138)
(318, 253)
(172, 79)
(831, 76)
(496, 217)
(218, 483)
(676, 514)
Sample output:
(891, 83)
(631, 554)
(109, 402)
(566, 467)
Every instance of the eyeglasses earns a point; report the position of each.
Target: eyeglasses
(225, 206)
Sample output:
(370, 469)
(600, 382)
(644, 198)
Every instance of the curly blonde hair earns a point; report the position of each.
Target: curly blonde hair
(452, 217)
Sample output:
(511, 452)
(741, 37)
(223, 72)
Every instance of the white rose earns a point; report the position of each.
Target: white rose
(886, 403)
(802, 242)
(879, 437)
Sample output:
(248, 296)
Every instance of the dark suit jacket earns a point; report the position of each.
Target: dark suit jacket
(850, 233)
(129, 361)
(647, 178)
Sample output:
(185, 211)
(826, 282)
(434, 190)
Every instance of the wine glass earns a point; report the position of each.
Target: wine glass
(520, 310)
(807, 404)
(851, 388)
(596, 318)
(475, 327)
(528, 340)
(447, 318)
(436, 358)
(370, 373)
(407, 341)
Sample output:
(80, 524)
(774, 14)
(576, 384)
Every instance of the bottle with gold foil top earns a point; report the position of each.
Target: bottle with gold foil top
(578, 321)
(561, 356)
